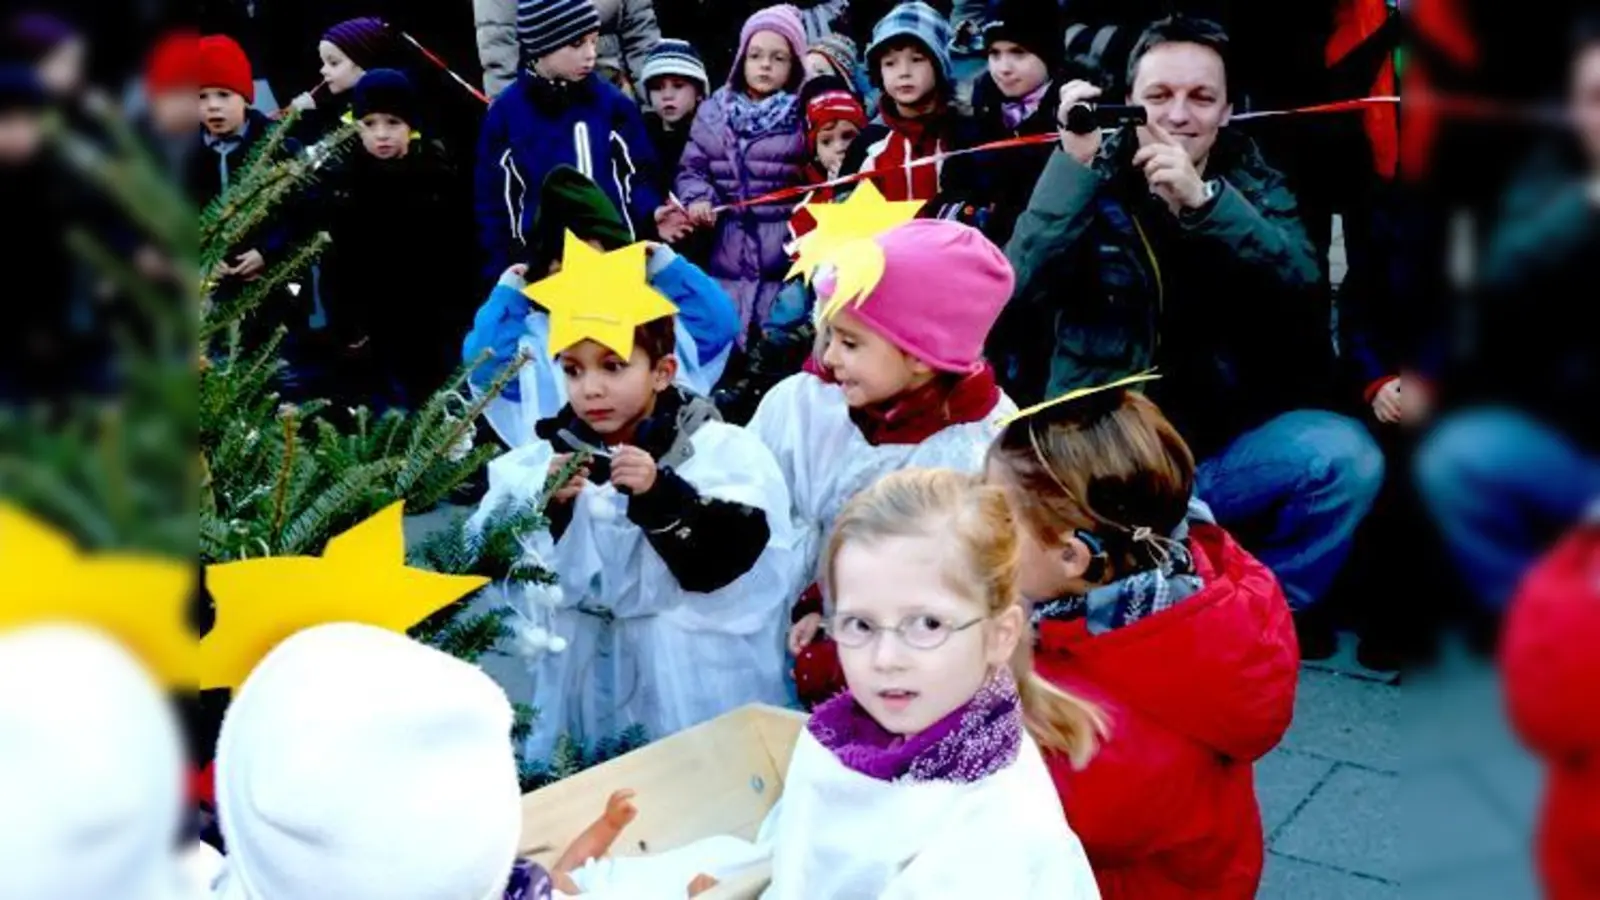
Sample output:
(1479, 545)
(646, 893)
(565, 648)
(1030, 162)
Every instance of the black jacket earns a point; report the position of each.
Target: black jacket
(999, 183)
(706, 543)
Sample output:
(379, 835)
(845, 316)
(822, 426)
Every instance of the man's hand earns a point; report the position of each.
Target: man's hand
(702, 214)
(1386, 403)
(803, 632)
(1081, 147)
(248, 265)
(575, 485)
(1168, 169)
(633, 469)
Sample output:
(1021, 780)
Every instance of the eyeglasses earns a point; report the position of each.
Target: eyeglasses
(918, 632)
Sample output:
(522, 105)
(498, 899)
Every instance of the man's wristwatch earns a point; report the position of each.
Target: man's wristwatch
(1213, 188)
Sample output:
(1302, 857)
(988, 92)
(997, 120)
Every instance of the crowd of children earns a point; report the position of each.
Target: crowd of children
(1024, 635)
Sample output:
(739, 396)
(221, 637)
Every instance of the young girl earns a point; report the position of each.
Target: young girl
(901, 380)
(347, 51)
(1148, 609)
(748, 140)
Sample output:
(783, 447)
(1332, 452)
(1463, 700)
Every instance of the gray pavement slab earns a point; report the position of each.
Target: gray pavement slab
(1346, 719)
(1347, 824)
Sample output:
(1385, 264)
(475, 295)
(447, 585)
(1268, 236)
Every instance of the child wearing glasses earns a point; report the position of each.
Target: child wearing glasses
(1146, 607)
(900, 381)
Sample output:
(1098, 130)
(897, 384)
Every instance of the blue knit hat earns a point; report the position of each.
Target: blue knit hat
(386, 91)
(545, 26)
(671, 56)
(920, 22)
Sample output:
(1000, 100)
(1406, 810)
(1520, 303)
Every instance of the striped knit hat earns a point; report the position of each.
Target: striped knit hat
(366, 41)
(840, 52)
(919, 22)
(671, 56)
(545, 26)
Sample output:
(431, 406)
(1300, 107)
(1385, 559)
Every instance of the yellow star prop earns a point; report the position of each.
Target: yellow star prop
(864, 214)
(599, 296)
(139, 601)
(858, 267)
(361, 577)
(1079, 394)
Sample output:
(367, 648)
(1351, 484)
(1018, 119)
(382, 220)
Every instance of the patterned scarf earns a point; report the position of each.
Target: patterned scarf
(977, 740)
(751, 119)
(529, 881)
(1017, 111)
(1142, 594)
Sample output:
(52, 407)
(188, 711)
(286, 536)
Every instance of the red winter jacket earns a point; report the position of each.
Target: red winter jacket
(1194, 695)
(1550, 657)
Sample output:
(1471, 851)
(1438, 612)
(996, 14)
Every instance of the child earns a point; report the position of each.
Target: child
(901, 382)
(673, 543)
(388, 206)
(359, 764)
(1015, 98)
(835, 54)
(91, 770)
(167, 122)
(558, 113)
(748, 141)
(925, 779)
(834, 119)
(909, 59)
(348, 50)
(1147, 608)
(675, 80)
(704, 332)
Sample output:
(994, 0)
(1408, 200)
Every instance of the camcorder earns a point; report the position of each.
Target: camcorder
(1086, 118)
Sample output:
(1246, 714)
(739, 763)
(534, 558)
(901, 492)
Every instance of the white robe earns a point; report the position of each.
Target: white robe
(826, 460)
(640, 649)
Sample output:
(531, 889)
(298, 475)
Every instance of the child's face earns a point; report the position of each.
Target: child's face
(818, 65)
(867, 367)
(21, 136)
(611, 394)
(385, 136)
(767, 63)
(908, 74)
(833, 142)
(222, 111)
(573, 62)
(1016, 70)
(173, 113)
(61, 72)
(338, 70)
(673, 98)
(907, 580)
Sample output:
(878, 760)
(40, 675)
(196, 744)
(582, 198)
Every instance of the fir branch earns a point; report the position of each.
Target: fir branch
(289, 418)
(223, 315)
(351, 495)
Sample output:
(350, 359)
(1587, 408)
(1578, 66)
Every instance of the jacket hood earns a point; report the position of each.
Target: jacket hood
(1220, 667)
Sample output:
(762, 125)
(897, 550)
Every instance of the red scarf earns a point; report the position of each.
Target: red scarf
(910, 140)
(914, 417)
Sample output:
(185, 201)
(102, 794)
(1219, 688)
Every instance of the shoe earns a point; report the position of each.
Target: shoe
(1318, 640)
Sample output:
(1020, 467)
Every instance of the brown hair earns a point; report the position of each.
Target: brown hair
(658, 339)
(1109, 464)
(979, 520)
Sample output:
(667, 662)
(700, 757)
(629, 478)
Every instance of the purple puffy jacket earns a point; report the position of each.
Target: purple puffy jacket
(719, 167)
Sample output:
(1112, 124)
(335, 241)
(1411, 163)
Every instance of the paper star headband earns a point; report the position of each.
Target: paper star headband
(362, 577)
(1078, 394)
(141, 602)
(599, 296)
(863, 215)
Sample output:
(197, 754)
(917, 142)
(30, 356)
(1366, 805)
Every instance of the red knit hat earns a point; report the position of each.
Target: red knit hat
(829, 105)
(221, 63)
(172, 63)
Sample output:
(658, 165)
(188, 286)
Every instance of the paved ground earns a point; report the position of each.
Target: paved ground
(1376, 787)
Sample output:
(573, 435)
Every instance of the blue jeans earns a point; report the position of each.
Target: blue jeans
(1501, 487)
(1293, 491)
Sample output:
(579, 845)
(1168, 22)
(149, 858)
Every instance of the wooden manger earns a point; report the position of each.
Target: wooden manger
(718, 778)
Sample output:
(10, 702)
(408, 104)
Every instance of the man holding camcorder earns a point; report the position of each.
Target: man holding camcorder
(1158, 237)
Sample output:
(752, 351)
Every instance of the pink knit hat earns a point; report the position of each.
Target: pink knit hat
(784, 21)
(943, 286)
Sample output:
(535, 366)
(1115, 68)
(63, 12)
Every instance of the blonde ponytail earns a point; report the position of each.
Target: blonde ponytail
(1057, 720)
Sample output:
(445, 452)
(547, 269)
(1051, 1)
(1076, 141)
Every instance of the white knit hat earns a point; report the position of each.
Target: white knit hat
(358, 764)
(91, 771)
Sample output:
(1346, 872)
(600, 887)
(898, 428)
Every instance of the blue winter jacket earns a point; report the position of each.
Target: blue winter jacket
(531, 128)
(707, 324)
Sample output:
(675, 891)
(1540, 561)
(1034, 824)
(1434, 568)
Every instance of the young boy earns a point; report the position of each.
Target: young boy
(229, 130)
(909, 60)
(673, 540)
(707, 322)
(676, 81)
(559, 112)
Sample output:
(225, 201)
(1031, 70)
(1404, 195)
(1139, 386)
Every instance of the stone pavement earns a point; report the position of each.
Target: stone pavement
(1376, 786)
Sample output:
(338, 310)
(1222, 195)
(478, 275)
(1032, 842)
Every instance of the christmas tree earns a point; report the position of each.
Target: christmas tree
(270, 477)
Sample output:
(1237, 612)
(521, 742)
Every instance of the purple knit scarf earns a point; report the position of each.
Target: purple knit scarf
(968, 745)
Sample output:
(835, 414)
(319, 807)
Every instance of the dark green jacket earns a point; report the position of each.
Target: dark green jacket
(1227, 301)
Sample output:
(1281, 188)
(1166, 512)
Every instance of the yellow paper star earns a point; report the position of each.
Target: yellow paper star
(864, 214)
(139, 601)
(858, 267)
(1079, 394)
(599, 296)
(362, 577)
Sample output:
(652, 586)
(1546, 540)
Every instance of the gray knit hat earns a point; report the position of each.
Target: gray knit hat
(545, 26)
